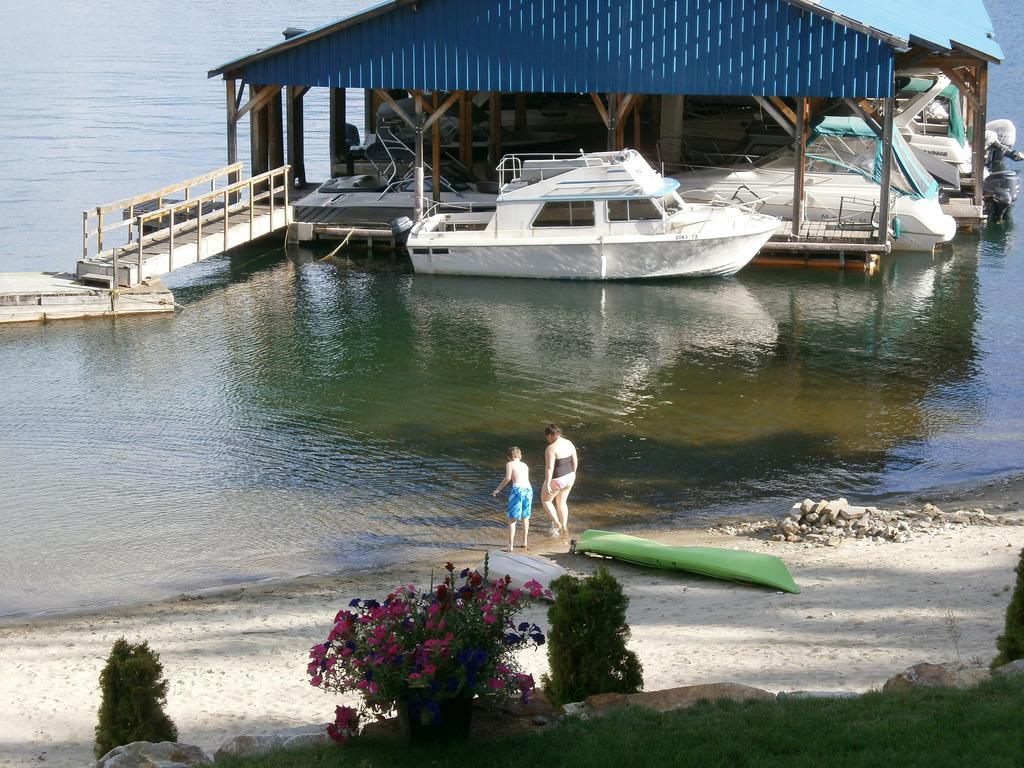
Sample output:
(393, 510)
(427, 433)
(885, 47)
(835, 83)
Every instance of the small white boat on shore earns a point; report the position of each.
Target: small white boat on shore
(594, 216)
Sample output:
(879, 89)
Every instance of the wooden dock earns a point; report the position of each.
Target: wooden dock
(149, 235)
(824, 244)
(45, 296)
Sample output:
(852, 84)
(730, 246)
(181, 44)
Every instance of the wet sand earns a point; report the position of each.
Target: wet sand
(235, 658)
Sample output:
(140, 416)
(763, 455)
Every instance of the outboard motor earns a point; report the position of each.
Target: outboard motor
(1001, 186)
(400, 229)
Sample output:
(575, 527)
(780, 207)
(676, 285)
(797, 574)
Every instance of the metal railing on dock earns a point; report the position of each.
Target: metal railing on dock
(157, 233)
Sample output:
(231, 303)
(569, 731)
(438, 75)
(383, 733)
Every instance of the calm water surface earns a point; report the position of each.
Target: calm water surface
(303, 416)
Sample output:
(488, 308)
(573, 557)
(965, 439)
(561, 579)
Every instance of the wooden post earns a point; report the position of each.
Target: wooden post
(418, 163)
(978, 136)
(884, 187)
(225, 222)
(252, 209)
(296, 140)
(799, 166)
(613, 123)
(275, 146)
(232, 123)
(170, 243)
(520, 124)
(370, 103)
(85, 235)
(670, 139)
(258, 129)
(466, 129)
(494, 134)
(638, 129)
(340, 155)
(141, 238)
(99, 230)
(435, 153)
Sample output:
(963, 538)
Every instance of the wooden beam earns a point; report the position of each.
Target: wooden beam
(435, 114)
(867, 114)
(263, 96)
(886, 182)
(966, 88)
(494, 131)
(435, 152)
(638, 128)
(912, 58)
(466, 129)
(520, 124)
(978, 135)
(275, 135)
(232, 120)
(601, 109)
(337, 141)
(386, 97)
(799, 167)
(296, 154)
(776, 115)
(938, 62)
(259, 128)
(780, 105)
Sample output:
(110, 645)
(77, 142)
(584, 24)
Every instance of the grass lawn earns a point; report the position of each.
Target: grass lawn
(928, 728)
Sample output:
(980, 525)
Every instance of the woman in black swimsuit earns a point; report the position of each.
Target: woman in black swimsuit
(560, 467)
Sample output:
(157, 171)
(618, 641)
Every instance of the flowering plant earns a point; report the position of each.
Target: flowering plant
(455, 641)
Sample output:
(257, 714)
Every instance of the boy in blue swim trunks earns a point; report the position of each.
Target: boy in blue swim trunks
(520, 497)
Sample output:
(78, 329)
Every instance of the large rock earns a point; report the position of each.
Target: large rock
(261, 743)
(147, 754)
(1012, 669)
(603, 703)
(688, 695)
(949, 675)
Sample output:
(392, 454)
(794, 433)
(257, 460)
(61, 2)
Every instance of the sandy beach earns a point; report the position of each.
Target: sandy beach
(235, 658)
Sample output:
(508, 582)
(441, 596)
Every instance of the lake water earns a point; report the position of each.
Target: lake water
(301, 416)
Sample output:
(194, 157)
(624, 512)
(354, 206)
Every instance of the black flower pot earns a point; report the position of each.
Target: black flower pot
(426, 722)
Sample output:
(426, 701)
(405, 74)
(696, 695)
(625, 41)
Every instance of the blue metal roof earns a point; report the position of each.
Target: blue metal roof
(713, 47)
(941, 24)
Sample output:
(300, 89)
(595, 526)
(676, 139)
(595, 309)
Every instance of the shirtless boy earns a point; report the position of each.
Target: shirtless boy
(520, 497)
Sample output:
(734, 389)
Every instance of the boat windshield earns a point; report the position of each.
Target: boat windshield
(848, 145)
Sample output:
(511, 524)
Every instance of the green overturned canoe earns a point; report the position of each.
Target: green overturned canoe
(728, 564)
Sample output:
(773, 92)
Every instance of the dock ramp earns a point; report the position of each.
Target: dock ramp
(157, 232)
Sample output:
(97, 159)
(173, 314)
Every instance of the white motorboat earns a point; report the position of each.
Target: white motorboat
(929, 116)
(841, 182)
(593, 216)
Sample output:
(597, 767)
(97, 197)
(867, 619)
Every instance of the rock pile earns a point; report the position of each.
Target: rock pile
(829, 523)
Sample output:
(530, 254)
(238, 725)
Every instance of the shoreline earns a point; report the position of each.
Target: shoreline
(1000, 494)
(235, 656)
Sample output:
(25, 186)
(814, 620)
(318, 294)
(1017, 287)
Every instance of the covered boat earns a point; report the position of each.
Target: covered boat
(842, 184)
(593, 216)
(727, 564)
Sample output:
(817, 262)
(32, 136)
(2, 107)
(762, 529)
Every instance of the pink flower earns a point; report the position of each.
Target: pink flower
(490, 618)
(494, 683)
(315, 681)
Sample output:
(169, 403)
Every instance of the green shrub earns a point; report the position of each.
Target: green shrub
(134, 693)
(587, 640)
(1011, 643)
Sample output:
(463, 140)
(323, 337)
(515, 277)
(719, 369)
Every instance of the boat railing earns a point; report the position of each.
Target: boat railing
(443, 206)
(511, 166)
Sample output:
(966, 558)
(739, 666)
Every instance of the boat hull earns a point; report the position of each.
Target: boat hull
(607, 258)
(729, 564)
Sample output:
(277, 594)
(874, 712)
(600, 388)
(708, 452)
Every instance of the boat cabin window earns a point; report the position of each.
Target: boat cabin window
(640, 209)
(565, 213)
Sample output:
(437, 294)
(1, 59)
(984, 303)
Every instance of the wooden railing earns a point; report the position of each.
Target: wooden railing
(106, 220)
(195, 212)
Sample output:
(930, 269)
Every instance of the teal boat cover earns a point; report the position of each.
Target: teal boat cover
(911, 179)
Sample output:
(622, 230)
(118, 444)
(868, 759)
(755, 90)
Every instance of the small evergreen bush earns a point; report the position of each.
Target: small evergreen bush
(587, 640)
(134, 694)
(1011, 643)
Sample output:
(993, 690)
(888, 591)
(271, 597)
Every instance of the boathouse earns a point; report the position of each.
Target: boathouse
(637, 59)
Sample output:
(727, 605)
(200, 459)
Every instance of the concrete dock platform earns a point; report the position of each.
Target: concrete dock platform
(45, 296)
